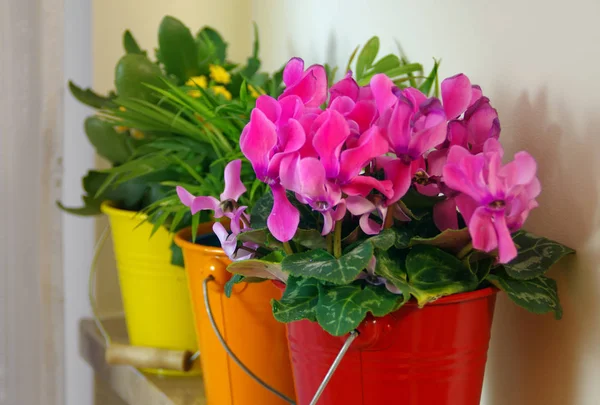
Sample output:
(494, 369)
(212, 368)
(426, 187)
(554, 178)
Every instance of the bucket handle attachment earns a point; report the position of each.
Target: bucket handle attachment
(136, 356)
(353, 335)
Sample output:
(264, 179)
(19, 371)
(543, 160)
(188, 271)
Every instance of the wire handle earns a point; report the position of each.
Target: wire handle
(229, 351)
(353, 335)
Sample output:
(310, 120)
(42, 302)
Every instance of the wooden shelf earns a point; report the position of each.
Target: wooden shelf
(133, 386)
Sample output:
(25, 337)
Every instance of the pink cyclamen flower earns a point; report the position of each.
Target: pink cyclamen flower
(413, 125)
(234, 188)
(496, 199)
(363, 207)
(309, 85)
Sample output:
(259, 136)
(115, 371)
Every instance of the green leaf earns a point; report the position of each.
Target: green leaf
(479, 264)
(538, 295)
(133, 73)
(260, 237)
(176, 255)
(90, 207)
(298, 301)
(178, 49)
(367, 56)
(427, 84)
(310, 238)
(451, 240)
(384, 240)
(212, 49)
(235, 279)
(110, 144)
(342, 308)
(261, 268)
(130, 44)
(535, 256)
(321, 265)
(385, 64)
(392, 266)
(433, 273)
(88, 97)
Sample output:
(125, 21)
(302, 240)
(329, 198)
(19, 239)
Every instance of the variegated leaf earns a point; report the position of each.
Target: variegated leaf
(538, 295)
(342, 308)
(535, 256)
(433, 273)
(321, 265)
(298, 301)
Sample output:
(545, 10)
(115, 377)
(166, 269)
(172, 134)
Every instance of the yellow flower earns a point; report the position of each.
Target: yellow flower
(220, 90)
(120, 129)
(121, 108)
(199, 81)
(136, 134)
(219, 74)
(194, 93)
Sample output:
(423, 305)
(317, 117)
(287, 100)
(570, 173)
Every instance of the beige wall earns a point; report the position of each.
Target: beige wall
(538, 62)
(142, 17)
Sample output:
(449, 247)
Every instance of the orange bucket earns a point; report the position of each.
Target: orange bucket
(246, 323)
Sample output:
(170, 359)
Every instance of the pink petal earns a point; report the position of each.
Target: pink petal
(345, 87)
(369, 226)
(284, 218)
(269, 106)
(382, 86)
(476, 93)
(399, 130)
(291, 108)
(370, 145)
(415, 96)
(359, 205)
(363, 185)
(456, 95)
(340, 211)
(228, 243)
(293, 71)
(327, 223)
(363, 114)
(320, 94)
(520, 171)
(481, 119)
(185, 196)
(342, 104)
(236, 218)
(328, 142)
(445, 215)
(234, 187)
(481, 228)
(466, 205)
(257, 141)
(457, 133)
(310, 178)
(506, 247)
(427, 140)
(400, 175)
(435, 162)
(206, 203)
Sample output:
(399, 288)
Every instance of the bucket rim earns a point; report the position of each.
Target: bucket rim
(109, 208)
(184, 236)
(460, 297)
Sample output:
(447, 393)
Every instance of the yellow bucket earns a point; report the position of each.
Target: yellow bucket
(155, 293)
(246, 322)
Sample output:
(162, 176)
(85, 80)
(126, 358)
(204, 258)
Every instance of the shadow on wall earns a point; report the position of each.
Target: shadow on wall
(534, 359)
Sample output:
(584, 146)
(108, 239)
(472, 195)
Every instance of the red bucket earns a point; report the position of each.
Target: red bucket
(435, 355)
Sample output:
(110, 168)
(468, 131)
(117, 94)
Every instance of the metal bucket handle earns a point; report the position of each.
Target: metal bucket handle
(353, 335)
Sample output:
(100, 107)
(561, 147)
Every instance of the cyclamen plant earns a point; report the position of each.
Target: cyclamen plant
(380, 194)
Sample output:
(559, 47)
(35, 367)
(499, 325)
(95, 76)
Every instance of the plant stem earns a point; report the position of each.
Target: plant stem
(287, 248)
(465, 251)
(389, 218)
(329, 242)
(337, 240)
